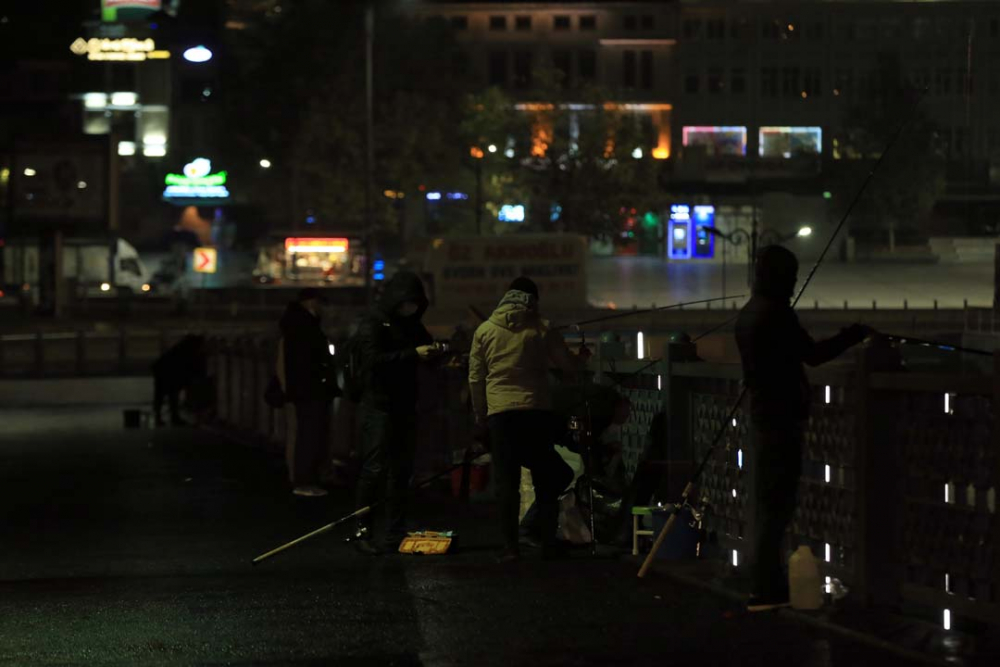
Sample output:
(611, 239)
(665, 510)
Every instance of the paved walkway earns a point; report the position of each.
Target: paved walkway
(132, 547)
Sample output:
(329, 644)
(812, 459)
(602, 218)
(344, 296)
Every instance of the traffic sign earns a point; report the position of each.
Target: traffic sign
(205, 260)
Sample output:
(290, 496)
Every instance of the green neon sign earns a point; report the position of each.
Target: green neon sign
(211, 179)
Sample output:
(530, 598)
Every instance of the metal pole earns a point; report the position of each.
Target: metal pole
(479, 196)
(370, 148)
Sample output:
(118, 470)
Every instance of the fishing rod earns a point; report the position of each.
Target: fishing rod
(358, 513)
(688, 489)
(947, 347)
(577, 325)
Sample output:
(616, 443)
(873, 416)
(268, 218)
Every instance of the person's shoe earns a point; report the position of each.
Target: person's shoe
(508, 555)
(767, 603)
(309, 491)
(529, 541)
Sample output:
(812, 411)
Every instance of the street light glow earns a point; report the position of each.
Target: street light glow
(198, 54)
(265, 164)
(805, 231)
(492, 148)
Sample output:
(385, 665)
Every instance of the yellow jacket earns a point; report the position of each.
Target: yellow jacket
(511, 355)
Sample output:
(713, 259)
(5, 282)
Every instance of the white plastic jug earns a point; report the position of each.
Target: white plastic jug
(804, 582)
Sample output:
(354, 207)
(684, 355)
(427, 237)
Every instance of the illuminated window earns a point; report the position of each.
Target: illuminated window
(560, 23)
(522, 22)
(717, 140)
(498, 23)
(588, 22)
(786, 142)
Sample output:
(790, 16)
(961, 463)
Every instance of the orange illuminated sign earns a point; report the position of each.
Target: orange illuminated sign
(333, 245)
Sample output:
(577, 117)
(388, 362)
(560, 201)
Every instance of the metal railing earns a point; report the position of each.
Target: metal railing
(900, 469)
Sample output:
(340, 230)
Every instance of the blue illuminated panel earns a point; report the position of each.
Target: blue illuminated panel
(704, 243)
(679, 232)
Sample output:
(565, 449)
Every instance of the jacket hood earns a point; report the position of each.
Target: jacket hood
(516, 310)
(296, 317)
(402, 287)
(775, 273)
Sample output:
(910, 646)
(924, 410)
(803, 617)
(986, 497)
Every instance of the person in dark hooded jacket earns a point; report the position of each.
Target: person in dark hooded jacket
(773, 347)
(392, 340)
(309, 382)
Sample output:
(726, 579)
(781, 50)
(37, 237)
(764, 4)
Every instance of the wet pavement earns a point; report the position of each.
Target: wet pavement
(133, 547)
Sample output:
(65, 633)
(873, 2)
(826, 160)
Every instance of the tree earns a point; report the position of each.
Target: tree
(573, 163)
(911, 177)
(300, 103)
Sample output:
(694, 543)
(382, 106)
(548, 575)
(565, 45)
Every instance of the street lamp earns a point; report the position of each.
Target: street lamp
(740, 236)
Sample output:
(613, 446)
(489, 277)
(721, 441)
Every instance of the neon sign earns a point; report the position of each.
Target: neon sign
(197, 181)
(718, 140)
(337, 246)
(788, 141)
(124, 49)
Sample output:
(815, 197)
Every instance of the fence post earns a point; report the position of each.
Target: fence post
(878, 488)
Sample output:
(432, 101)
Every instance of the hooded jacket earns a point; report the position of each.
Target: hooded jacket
(388, 345)
(309, 372)
(511, 354)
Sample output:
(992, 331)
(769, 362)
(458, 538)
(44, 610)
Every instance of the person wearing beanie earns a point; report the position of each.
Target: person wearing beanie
(509, 363)
(773, 348)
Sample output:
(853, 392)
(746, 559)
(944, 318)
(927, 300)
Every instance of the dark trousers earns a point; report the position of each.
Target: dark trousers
(388, 445)
(523, 438)
(164, 389)
(312, 434)
(777, 470)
